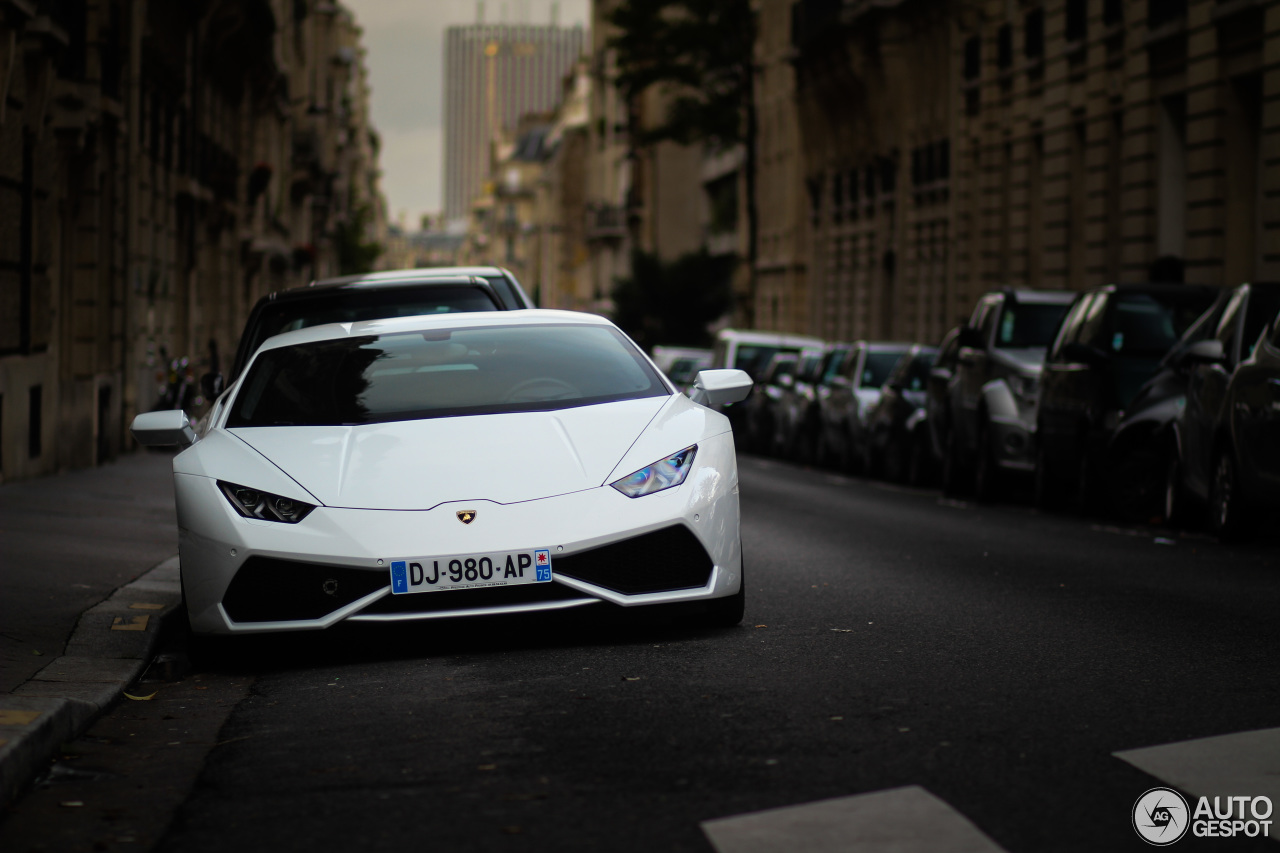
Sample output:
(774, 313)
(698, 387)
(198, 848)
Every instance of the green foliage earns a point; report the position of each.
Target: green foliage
(700, 51)
(355, 255)
(672, 304)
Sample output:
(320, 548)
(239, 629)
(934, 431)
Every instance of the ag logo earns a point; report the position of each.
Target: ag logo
(466, 516)
(1161, 816)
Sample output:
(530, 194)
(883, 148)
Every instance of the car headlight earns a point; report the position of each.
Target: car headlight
(663, 474)
(254, 503)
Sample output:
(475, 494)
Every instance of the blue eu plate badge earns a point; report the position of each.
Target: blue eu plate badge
(542, 562)
(399, 582)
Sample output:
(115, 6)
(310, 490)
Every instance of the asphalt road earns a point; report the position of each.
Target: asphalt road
(993, 656)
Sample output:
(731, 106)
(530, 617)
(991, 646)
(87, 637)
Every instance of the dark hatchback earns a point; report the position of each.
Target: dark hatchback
(1228, 433)
(897, 434)
(1110, 342)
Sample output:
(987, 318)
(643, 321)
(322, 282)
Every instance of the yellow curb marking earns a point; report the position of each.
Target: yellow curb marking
(146, 607)
(130, 623)
(10, 717)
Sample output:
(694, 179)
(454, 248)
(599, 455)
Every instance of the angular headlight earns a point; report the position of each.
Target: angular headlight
(660, 475)
(253, 503)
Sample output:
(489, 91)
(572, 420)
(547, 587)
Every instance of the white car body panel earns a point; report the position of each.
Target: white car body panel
(392, 491)
(421, 463)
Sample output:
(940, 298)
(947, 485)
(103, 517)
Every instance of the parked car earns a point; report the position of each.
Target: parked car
(992, 403)
(1143, 449)
(938, 395)
(1227, 432)
(372, 296)
(897, 435)
(764, 409)
(855, 388)
(310, 500)
(751, 352)
(804, 402)
(681, 364)
(1111, 342)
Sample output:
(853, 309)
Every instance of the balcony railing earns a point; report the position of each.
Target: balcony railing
(606, 222)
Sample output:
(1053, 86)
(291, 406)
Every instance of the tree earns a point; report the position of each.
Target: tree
(672, 303)
(355, 254)
(702, 53)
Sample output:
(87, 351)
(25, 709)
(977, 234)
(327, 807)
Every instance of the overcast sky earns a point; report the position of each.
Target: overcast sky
(405, 44)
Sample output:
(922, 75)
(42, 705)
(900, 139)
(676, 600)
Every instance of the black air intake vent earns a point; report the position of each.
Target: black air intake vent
(670, 558)
(270, 590)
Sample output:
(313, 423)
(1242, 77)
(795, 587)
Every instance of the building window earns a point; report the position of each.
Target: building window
(1033, 43)
(35, 421)
(973, 58)
(1112, 12)
(1171, 210)
(1077, 20)
(1004, 47)
(837, 197)
(1161, 12)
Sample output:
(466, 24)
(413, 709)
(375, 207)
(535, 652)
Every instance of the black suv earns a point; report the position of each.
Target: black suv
(1226, 433)
(1111, 341)
(373, 296)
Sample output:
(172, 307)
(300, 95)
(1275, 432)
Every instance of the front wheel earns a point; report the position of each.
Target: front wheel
(1175, 496)
(986, 478)
(1229, 515)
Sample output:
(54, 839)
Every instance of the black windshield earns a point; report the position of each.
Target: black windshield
(1027, 325)
(476, 371)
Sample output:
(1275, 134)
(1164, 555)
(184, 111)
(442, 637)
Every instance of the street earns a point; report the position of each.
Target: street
(995, 657)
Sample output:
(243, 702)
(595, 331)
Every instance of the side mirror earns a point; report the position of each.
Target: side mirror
(211, 385)
(1084, 354)
(167, 428)
(1206, 352)
(720, 387)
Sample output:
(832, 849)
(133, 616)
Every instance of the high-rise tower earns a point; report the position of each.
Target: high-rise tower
(493, 75)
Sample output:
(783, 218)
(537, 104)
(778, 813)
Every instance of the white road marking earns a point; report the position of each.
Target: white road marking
(900, 820)
(1243, 764)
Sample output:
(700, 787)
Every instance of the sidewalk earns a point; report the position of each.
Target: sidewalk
(76, 623)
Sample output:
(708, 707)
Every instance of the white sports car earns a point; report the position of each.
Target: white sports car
(454, 465)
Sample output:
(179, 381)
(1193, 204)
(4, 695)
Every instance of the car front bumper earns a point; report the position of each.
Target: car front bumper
(678, 545)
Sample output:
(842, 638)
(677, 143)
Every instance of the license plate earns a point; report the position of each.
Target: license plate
(470, 571)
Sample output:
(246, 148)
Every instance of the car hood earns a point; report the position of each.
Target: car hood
(419, 464)
(1028, 361)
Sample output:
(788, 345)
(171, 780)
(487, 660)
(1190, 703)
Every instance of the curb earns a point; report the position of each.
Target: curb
(109, 649)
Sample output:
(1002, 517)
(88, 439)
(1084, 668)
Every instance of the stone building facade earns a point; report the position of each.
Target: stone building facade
(953, 146)
(162, 166)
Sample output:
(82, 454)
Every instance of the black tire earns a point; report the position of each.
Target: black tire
(918, 462)
(1137, 484)
(988, 485)
(1228, 515)
(1048, 487)
(1176, 499)
(955, 474)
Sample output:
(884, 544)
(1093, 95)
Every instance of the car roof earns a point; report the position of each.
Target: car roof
(1040, 297)
(431, 322)
(770, 338)
(328, 286)
(417, 274)
(884, 346)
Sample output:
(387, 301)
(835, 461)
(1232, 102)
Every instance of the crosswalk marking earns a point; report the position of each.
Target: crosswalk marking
(899, 820)
(1243, 764)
